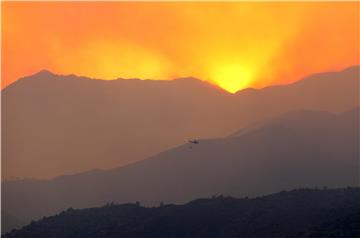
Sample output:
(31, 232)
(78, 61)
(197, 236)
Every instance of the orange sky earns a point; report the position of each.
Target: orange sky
(234, 45)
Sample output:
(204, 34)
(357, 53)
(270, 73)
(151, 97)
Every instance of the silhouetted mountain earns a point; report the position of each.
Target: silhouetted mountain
(279, 215)
(54, 125)
(298, 149)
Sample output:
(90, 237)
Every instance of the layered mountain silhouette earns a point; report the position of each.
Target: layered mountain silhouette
(299, 213)
(297, 149)
(54, 125)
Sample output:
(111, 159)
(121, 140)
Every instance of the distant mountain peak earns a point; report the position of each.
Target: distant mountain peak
(44, 72)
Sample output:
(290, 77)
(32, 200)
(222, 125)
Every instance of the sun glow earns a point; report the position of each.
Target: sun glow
(110, 60)
(233, 77)
(232, 44)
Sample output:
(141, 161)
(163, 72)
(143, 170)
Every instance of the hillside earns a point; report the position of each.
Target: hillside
(65, 124)
(298, 149)
(345, 226)
(278, 215)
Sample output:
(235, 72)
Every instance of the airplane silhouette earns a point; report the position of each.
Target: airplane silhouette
(194, 141)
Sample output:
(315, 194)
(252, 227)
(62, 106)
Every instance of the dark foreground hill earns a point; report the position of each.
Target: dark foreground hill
(342, 227)
(284, 214)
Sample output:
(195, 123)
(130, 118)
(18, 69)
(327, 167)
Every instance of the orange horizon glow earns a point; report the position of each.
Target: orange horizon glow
(231, 44)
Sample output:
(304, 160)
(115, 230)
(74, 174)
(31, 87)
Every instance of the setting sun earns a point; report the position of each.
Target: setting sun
(256, 45)
(232, 77)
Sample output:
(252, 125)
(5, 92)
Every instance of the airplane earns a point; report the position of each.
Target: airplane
(194, 141)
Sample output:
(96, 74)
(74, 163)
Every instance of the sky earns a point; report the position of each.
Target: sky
(234, 45)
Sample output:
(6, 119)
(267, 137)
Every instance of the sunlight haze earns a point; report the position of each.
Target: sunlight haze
(256, 45)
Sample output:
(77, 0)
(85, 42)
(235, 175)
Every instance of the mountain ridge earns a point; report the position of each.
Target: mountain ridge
(215, 217)
(287, 153)
(46, 73)
(293, 115)
(48, 122)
